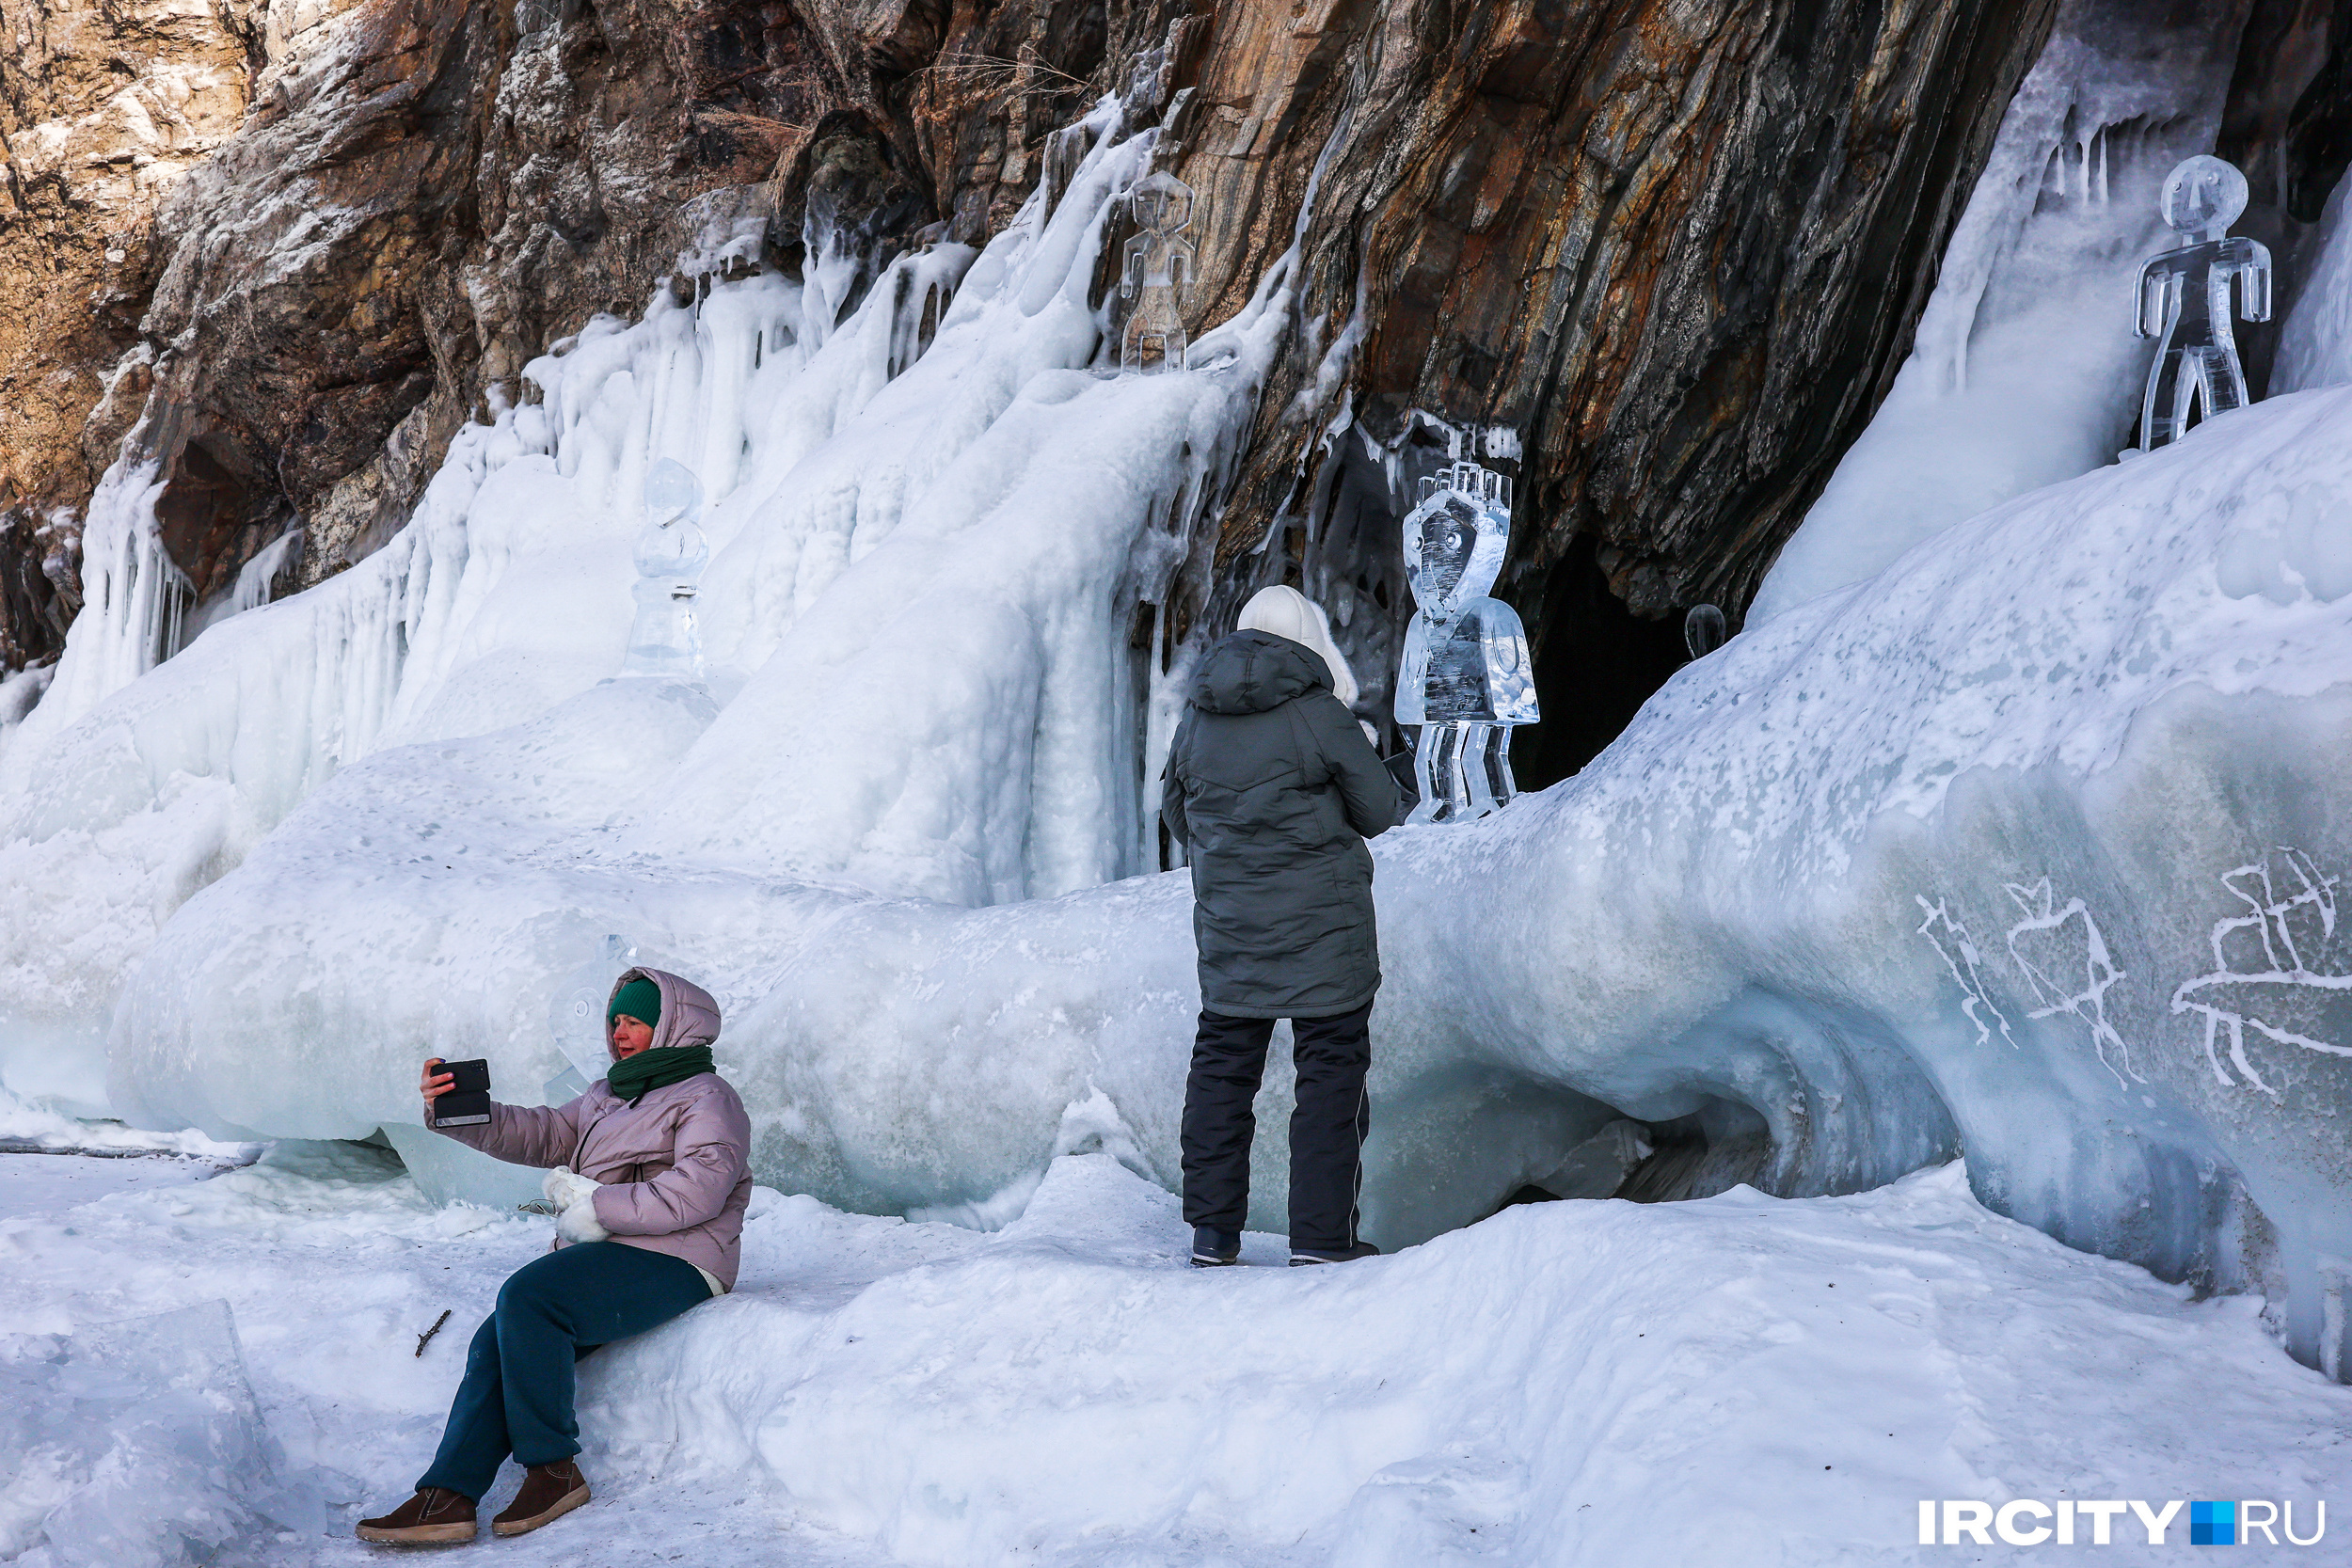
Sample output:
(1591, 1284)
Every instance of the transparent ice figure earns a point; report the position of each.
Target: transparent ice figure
(1703, 629)
(1155, 274)
(1466, 678)
(576, 1019)
(2184, 301)
(671, 554)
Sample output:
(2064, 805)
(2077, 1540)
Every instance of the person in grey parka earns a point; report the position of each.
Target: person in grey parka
(1272, 789)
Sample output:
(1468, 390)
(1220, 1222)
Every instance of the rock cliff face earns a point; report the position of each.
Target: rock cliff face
(1677, 252)
(103, 108)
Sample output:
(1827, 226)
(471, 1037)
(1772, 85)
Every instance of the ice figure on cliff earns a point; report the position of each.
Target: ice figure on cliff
(671, 554)
(1704, 630)
(1465, 679)
(2184, 301)
(1155, 274)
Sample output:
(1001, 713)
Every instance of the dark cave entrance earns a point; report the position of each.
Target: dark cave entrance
(1597, 663)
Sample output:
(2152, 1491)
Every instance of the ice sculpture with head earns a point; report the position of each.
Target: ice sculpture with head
(671, 553)
(1155, 274)
(2184, 301)
(1465, 679)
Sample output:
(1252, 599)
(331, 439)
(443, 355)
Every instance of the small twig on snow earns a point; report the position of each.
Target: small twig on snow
(426, 1337)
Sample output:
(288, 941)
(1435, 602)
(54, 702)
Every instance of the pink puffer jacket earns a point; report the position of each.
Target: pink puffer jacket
(675, 1166)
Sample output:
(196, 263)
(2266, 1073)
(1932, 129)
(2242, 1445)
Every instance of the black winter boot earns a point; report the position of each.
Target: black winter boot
(1212, 1248)
(1302, 1257)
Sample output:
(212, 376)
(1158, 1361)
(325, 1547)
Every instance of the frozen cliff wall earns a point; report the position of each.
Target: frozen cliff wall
(103, 109)
(2027, 369)
(1531, 208)
(2027, 848)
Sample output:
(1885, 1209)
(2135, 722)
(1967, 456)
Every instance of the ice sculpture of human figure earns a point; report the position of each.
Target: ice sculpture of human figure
(2184, 301)
(1466, 678)
(671, 554)
(1155, 274)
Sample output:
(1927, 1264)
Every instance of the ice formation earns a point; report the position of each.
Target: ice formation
(928, 498)
(2026, 370)
(1703, 629)
(1156, 275)
(663, 640)
(1917, 867)
(1920, 868)
(2315, 344)
(1465, 678)
(2186, 296)
(135, 1444)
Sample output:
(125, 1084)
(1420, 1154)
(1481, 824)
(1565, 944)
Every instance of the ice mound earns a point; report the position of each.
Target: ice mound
(1561, 1384)
(2027, 848)
(136, 1445)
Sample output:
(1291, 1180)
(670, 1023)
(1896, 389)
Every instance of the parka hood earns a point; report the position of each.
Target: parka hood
(690, 1015)
(1251, 672)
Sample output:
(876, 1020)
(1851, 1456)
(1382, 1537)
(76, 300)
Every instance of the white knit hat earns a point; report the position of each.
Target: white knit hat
(1287, 612)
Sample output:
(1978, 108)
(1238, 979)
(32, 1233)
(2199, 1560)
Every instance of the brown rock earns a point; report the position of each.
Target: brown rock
(103, 108)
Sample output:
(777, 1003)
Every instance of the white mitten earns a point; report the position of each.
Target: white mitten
(565, 1186)
(577, 1222)
(576, 1196)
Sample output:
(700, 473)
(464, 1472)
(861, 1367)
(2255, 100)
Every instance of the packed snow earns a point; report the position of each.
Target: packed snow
(1742, 1378)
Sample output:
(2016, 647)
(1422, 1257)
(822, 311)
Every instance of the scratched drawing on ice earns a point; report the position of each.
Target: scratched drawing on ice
(2055, 983)
(1959, 956)
(2233, 996)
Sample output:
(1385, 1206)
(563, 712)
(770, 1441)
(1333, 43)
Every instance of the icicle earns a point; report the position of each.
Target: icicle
(253, 580)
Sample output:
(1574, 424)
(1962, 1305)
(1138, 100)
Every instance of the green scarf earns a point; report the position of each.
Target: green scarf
(632, 1076)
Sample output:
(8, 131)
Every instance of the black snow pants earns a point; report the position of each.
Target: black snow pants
(1332, 1055)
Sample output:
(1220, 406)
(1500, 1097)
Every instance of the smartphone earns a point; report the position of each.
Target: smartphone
(467, 1103)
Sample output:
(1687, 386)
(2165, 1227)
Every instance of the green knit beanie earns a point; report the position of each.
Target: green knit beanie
(641, 999)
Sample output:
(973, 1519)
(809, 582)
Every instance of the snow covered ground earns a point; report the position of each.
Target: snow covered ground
(1740, 1380)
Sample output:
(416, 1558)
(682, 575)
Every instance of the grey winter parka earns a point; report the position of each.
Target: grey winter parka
(1273, 791)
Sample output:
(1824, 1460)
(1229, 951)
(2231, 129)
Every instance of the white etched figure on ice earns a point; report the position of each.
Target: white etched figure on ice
(1156, 275)
(1465, 678)
(671, 554)
(2262, 977)
(2184, 301)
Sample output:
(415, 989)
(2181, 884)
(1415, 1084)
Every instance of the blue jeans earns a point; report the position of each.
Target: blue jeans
(516, 1396)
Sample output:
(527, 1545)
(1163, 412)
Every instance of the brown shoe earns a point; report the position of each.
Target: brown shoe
(433, 1517)
(549, 1491)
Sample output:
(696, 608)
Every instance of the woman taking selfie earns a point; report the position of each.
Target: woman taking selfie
(650, 1181)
